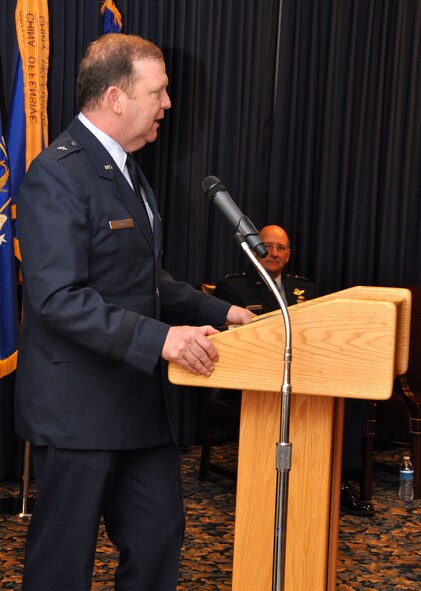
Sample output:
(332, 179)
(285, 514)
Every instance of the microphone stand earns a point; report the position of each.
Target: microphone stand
(283, 447)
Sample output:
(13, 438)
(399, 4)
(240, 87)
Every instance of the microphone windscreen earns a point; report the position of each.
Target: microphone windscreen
(211, 185)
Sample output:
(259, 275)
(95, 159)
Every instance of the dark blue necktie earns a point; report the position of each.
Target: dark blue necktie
(134, 177)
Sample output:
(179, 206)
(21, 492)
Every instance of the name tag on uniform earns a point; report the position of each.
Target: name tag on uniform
(121, 224)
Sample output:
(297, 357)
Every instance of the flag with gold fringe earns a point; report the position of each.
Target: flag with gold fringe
(27, 129)
(28, 114)
(27, 135)
(8, 295)
(112, 17)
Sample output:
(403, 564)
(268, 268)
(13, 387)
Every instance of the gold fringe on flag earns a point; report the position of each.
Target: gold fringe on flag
(112, 8)
(32, 31)
(8, 365)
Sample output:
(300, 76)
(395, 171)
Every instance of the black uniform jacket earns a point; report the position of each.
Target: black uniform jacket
(97, 304)
(250, 291)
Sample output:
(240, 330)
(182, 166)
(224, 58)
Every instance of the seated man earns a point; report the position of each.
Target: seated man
(222, 405)
(250, 291)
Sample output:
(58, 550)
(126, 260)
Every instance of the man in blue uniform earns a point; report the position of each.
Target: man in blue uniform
(100, 316)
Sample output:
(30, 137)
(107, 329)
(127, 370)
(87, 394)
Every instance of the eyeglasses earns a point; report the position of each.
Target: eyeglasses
(270, 246)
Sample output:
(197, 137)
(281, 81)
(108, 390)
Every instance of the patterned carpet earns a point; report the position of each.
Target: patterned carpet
(381, 553)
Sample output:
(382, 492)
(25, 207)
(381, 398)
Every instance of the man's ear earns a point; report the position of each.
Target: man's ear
(113, 98)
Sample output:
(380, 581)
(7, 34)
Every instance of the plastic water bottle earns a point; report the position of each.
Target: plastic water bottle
(406, 480)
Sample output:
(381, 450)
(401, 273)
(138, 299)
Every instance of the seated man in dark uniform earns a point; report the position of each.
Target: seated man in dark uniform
(250, 291)
(222, 406)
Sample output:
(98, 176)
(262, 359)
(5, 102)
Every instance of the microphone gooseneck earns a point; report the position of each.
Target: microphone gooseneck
(250, 241)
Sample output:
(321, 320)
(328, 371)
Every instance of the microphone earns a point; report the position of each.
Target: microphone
(217, 193)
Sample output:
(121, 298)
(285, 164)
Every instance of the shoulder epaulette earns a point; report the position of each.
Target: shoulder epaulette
(234, 275)
(61, 149)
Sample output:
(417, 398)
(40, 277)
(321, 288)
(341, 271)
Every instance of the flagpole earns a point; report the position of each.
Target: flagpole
(27, 133)
(25, 480)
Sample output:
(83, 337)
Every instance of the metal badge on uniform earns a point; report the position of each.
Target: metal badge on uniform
(254, 307)
(300, 295)
(121, 224)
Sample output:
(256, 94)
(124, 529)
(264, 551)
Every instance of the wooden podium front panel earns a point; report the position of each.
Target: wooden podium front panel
(310, 535)
(341, 347)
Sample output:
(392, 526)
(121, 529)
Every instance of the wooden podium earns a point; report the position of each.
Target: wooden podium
(349, 344)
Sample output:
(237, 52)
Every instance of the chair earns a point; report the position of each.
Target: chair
(220, 419)
(208, 288)
(408, 386)
(220, 422)
(399, 418)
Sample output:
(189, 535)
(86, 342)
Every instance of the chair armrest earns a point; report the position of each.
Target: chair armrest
(412, 399)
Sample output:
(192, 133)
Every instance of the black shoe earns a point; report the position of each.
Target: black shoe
(351, 505)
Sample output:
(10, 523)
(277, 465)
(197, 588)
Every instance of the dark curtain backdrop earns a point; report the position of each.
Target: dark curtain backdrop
(335, 159)
(345, 161)
(220, 60)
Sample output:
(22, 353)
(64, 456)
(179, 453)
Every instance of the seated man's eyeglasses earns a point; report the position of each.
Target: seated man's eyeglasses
(271, 246)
